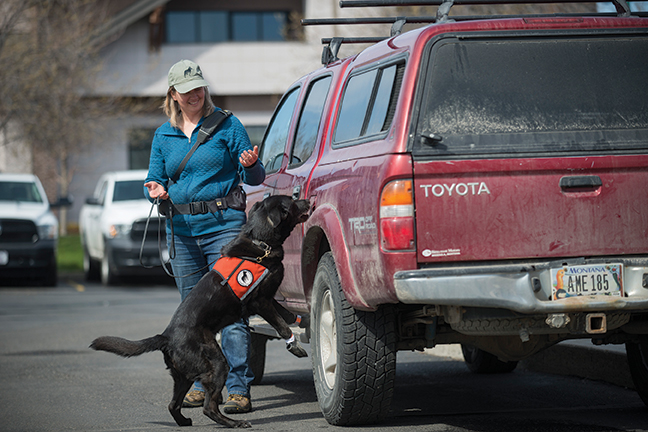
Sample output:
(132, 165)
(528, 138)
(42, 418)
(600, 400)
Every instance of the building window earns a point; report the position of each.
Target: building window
(224, 26)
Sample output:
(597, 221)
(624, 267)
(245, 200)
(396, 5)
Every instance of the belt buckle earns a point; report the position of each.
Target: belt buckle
(199, 207)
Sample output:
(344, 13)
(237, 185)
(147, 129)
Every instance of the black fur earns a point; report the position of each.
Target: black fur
(188, 343)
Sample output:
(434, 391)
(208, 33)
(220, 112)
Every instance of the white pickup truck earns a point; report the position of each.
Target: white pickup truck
(112, 223)
(28, 230)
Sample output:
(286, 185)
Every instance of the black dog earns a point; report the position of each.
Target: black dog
(188, 343)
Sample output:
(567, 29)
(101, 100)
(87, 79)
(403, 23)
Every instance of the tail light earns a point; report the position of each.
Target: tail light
(397, 216)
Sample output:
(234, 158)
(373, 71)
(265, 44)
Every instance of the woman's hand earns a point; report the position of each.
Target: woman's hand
(156, 190)
(249, 157)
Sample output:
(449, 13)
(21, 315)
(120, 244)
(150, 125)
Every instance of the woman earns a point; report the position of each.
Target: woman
(213, 171)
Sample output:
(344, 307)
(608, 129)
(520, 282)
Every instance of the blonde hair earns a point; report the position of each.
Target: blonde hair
(172, 109)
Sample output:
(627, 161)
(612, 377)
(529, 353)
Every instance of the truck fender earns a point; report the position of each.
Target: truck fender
(325, 225)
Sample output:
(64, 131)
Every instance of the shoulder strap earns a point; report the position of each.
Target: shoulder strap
(206, 129)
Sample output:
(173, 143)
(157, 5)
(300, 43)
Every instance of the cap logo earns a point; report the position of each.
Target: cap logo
(189, 72)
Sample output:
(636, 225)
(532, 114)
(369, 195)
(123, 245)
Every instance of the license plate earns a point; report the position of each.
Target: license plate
(587, 280)
(4, 257)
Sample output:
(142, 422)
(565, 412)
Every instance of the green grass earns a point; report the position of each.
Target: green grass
(70, 254)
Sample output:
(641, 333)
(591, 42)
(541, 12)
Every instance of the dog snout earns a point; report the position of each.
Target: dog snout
(304, 208)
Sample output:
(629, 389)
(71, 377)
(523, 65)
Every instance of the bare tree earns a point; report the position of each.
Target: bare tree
(49, 61)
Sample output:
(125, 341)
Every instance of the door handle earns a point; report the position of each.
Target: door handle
(571, 182)
(296, 192)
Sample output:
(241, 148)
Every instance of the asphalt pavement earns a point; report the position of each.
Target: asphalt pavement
(577, 358)
(50, 380)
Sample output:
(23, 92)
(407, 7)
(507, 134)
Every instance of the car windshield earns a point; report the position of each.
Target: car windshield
(565, 94)
(19, 191)
(128, 190)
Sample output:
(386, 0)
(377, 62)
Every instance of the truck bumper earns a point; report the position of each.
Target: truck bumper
(20, 259)
(523, 287)
(125, 257)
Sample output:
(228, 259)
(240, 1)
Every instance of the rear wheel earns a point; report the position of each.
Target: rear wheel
(353, 353)
(479, 361)
(638, 361)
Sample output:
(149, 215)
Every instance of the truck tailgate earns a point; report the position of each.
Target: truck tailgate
(527, 208)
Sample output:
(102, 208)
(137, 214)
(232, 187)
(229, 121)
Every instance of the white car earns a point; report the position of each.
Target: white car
(28, 230)
(112, 225)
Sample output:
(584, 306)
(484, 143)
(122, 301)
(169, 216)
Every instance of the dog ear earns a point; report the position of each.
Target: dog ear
(278, 213)
(274, 216)
(255, 207)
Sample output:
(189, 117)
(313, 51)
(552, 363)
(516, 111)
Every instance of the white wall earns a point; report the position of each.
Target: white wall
(233, 68)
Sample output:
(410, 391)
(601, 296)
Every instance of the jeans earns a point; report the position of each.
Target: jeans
(192, 254)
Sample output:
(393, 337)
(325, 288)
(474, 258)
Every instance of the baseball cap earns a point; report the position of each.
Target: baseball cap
(185, 76)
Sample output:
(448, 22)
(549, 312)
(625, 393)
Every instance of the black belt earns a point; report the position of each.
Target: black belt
(234, 200)
(202, 207)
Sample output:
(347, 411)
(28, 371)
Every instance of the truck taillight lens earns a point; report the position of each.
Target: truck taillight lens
(397, 216)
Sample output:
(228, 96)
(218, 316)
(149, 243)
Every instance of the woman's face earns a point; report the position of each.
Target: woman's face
(191, 103)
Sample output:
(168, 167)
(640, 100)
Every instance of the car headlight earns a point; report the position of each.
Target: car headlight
(119, 230)
(47, 232)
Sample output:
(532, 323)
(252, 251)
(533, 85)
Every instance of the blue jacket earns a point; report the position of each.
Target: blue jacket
(211, 172)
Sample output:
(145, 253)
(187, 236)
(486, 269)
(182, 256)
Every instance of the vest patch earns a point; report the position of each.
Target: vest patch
(241, 275)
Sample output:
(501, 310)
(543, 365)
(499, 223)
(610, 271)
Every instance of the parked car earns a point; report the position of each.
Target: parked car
(112, 226)
(28, 230)
(475, 181)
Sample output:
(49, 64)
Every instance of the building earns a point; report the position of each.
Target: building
(250, 51)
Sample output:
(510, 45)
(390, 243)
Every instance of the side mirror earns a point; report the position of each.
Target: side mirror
(92, 201)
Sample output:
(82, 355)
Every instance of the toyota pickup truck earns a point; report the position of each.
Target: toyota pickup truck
(479, 180)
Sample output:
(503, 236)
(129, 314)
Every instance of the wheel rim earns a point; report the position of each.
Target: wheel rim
(328, 340)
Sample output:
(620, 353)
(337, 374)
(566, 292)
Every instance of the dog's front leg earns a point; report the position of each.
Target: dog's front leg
(269, 312)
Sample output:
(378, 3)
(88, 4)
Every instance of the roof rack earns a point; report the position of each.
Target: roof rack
(330, 51)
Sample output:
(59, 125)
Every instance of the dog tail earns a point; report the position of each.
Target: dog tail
(128, 348)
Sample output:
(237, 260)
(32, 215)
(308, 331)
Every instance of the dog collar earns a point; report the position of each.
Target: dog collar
(266, 249)
(241, 275)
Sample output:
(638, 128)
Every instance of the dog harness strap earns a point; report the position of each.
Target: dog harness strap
(241, 275)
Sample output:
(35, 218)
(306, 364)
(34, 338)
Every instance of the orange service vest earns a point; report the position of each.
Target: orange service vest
(241, 275)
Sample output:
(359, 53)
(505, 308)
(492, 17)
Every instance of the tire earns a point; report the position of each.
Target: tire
(108, 275)
(638, 361)
(51, 277)
(353, 353)
(482, 362)
(257, 356)
(91, 268)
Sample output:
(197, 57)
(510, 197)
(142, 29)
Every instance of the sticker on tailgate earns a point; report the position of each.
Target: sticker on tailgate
(587, 280)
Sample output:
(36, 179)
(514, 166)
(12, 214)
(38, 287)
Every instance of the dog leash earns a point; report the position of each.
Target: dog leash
(172, 251)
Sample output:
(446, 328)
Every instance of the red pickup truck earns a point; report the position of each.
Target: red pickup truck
(481, 181)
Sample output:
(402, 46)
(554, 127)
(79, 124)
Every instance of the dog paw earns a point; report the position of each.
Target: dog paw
(185, 422)
(243, 424)
(296, 349)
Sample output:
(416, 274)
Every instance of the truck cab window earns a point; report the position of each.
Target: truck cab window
(272, 148)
